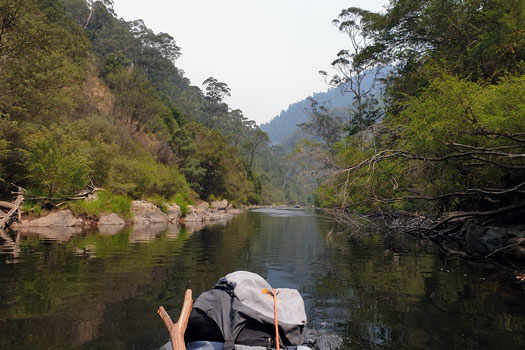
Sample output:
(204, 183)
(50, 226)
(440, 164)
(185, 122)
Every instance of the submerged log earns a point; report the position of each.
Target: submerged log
(178, 329)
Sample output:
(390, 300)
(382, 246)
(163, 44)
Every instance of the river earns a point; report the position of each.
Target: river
(100, 290)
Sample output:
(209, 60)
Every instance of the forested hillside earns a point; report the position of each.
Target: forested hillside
(451, 142)
(88, 97)
(284, 125)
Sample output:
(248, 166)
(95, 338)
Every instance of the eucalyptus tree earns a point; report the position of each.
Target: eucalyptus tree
(356, 73)
(92, 5)
(215, 92)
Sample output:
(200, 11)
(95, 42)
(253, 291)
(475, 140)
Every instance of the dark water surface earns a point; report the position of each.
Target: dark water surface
(100, 290)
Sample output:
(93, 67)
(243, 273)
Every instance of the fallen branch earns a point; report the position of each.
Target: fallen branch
(473, 154)
(8, 205)
(471, 214)
(15, 207)
(91, 189)
(178, 329)
(515, 244)
(467, 192)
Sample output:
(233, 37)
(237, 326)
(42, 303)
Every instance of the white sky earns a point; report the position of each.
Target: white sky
(267, 51)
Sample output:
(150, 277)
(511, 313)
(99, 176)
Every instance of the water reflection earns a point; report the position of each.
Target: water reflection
(99, 290)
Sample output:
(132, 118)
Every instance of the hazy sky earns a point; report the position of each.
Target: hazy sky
(267, 51)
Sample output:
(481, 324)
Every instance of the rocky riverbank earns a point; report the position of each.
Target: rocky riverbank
(143, 214)
(470, 238)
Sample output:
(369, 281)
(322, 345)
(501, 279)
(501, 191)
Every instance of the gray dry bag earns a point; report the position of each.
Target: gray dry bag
(237, 302)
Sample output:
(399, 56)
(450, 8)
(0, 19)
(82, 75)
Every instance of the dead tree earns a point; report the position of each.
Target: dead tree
(14, 208)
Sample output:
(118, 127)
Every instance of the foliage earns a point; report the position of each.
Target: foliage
(85, 95)
(43, 60)
(220, 171)
(56, 162)
(182, 201)
(105, 203)
(452, 137)
(216, 91)
(144, 177)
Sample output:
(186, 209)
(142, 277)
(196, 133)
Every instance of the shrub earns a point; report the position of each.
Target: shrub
(56, 162)
(144, 177)
(106, 203)
(182, 201)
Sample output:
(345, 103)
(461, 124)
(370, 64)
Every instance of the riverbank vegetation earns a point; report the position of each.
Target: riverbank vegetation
(86, 96)
(448, 132)
(445, 142)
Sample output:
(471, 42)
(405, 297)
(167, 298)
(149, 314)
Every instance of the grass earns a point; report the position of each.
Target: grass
(182, 201)
(33, 209)
(106, 203)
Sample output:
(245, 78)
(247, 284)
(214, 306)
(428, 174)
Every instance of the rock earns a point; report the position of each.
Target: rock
(202, 212)
(173, 231)
(319, 340)
(111, 219)
(146, 213)
(174, 213)
(194, 226)
(234, 211)
(109, 225)
(57, 233)
(195, 213)
(484, 240)
(109, 230)
(473, 235)
(518, 248)
(61, 218)
(147, 233)
(202, 206)
(220, 205)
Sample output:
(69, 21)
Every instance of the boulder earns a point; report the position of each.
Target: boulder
(202, 206)
(234, 211)
(194, 226)
(109, 230)
(56, 233)
(173, 231)
(145, 213)
(147, 233)
(484, 240)
(220, 205)
(320, 340)
(61, 218)
(111, 219)
(174, 213)
(194, 214)
(217, 216)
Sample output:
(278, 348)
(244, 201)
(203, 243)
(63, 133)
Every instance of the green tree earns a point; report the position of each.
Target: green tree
(56, 161)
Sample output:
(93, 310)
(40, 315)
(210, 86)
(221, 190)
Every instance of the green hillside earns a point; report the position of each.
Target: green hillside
(87, 96)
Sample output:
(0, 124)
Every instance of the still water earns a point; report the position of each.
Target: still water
(100, 290)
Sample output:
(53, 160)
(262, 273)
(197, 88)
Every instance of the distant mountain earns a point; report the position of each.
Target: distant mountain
(284, 126)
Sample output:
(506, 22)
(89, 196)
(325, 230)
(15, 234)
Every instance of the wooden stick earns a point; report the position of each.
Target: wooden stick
(178, 329)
